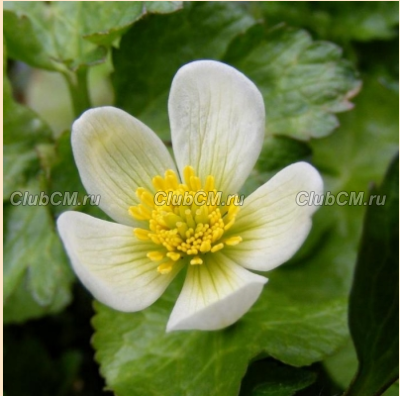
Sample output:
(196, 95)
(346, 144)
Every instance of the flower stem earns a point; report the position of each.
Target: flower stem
(78, 88)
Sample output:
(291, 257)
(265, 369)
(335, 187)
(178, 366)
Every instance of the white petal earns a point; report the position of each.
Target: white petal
(115, 154)
(273, 226)
(111, 262)
(217, 120)
(215, 295)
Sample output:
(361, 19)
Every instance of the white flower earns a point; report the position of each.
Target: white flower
(217, 125)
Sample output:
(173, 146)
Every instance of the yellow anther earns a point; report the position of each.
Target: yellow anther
(232, 241)
(171, 179)
(172, 219)
(215, 248)
(196, 261)
(209, 186)
(141, 234)
(158, 183)
(217, 233)
(232, 211)
(145, 196)
(205, 246)
(182, 228)
(189, 219)
(155, 256)
(182, 210)
(140, 191)
(229, 224)
(194, 209)
(144, 211)
(137, 213)
(174, 256)
(165, 268)
(155, 239)
(188, 172)
(195, 183)
(202, 215)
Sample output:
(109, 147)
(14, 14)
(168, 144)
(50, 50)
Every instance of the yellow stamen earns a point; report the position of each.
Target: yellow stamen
(196, 261)
(195, 183)
(174, 256)
(189, 219)
(182, 228)
(137, 213)
(145, 196)
(155, 256)
(209, 186)
(165, 268)
(232, 241)
(217, 247)
(229, 225)
(171, 179)
(141, 234)
(205, 246)
(158, 183)
(188, 172)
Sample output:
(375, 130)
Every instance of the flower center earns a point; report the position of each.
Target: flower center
(184, 220)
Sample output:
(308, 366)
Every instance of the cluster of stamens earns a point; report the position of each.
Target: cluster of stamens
(180, 229)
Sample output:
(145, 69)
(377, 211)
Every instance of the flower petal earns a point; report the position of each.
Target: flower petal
(217, 120)
(115, 154)
(215, 295)
(111, 262)
(273, 226)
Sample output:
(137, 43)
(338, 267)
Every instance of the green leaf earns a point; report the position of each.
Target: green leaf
(353, 157)
(24, 131)
(357, 154)
(342, 365)
(374, 299)
(278, 387)
(61, 35)
(392, 391)
(336, 21)
(303, 82)
(269, 378)
(142, 79)
(25, 30)
(22, 306)
(277, 152)
(280, 151)
(114, 19)
(37, 277)
(360, 151)
(295, 332)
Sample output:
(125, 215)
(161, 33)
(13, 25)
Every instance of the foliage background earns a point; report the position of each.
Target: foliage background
(308, 59)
